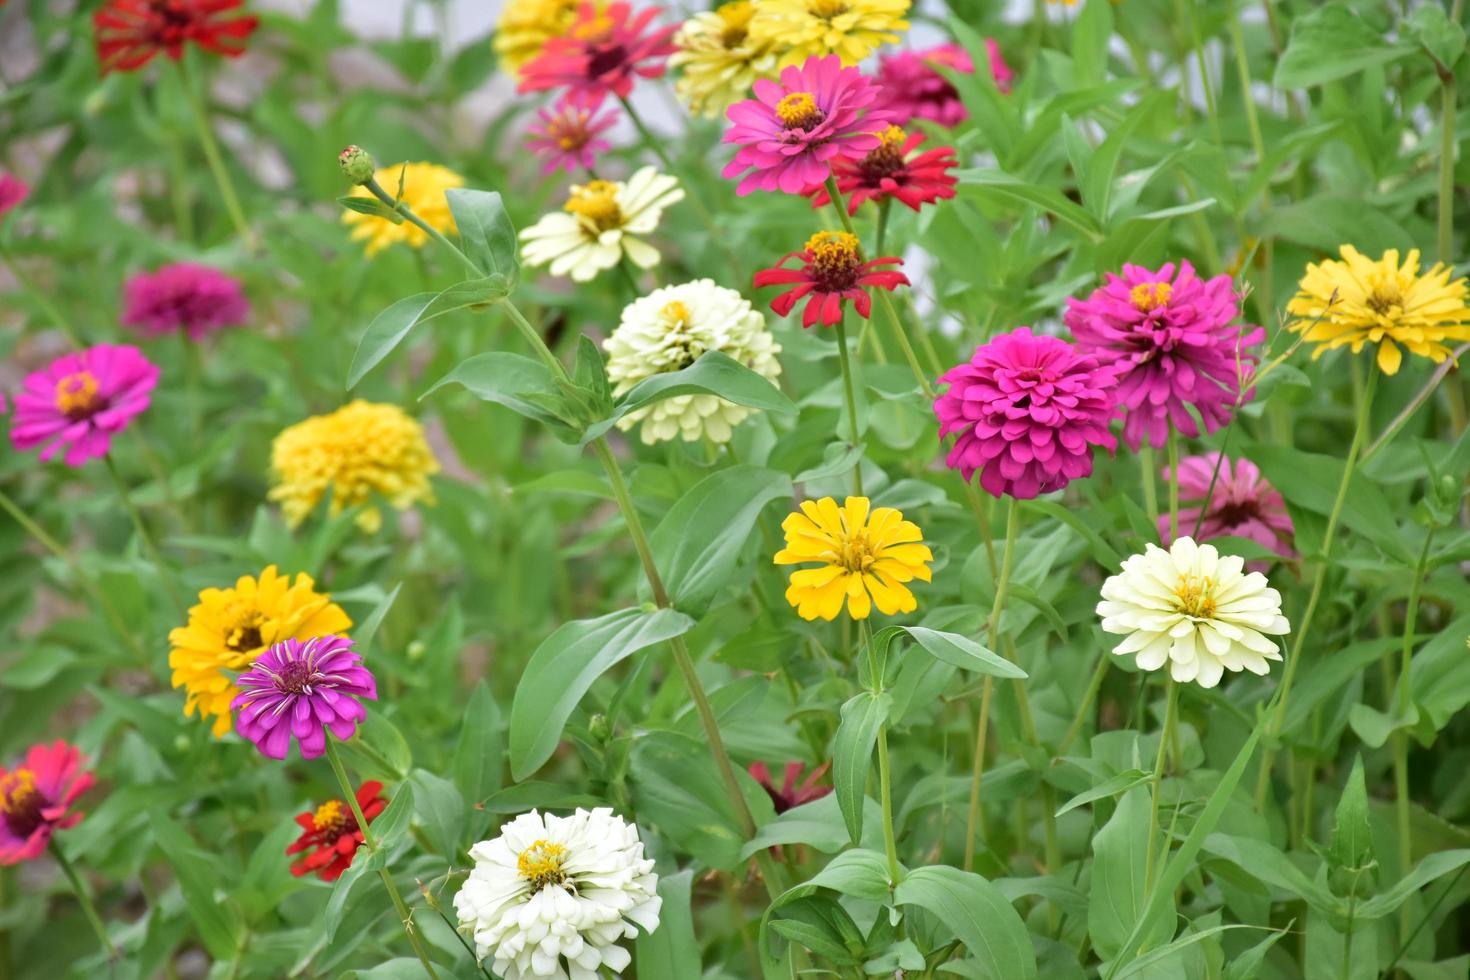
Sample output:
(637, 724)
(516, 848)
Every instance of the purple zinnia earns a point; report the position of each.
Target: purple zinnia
(193, 298)
(1028, 409)
(1241, 504)
(302, 688)
(569, 134)
(1170, 334)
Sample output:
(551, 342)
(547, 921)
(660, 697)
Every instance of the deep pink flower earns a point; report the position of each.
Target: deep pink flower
(569, 133)
(791, 133)
(1027, 409)
(36, 799)
(303, 688)
(1243, 505)
(1170, 334)
(13, 190)
(791, 793)
(81, 400)
(832, 271)
(605, 49)
(889, 173)
(183, 296)
(912, 89)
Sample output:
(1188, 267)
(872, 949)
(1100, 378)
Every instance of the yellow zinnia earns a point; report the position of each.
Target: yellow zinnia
(851, 29)
(862, 557)
(719, 61)
(1359, 301)
(526, 25)
(229, 628)
(360, 451)
(424, 185)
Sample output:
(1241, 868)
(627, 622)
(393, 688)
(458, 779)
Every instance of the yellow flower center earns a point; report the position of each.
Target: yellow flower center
(798, 110)
(1195, 596)
(1147, 296)
(835, 259)
(857, 553)
(1385, 299)
(827, 9)
(675, 314)
(76, 395)
(242, 634)
(329, 816)
(597, 201)
(541, 864)
(736, 18)
(887, 158)
(17, 790)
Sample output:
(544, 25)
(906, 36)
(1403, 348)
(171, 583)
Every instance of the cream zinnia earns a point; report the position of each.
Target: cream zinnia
(602, 221)
(1194, 609)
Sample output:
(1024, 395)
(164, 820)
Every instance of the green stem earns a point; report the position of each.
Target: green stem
(42, 300)
(1173, 449)
(433, 903)
(376, 189)
(1446, 218)
(213, 157)
(1150, 490)
(1243, 68)
(83, 898)
(885, 778)
(1166, 734)
(1401, 736)
(882, 230)
(165, 573)
(1093, 686)
(405, 916)
(849, 395)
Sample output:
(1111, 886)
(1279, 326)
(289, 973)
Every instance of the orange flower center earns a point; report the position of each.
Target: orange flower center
(76, 395)
(597, 201)
(835, 260)
(887, 158)
(21, 802)
(1147, 296)
(798, 110)
(541, 864)
(330, 816)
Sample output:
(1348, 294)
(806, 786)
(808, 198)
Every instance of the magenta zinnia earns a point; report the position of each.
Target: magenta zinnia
(301, 689)
(184, 297)
(912, 88)
(79, 401)
(1242, 504)
(13, 190)
(1173, 338)
(603, 51)
(832, 271)
(889, 173)
(36, 799)
(569, 134)
(792, 131)
(1027, 410)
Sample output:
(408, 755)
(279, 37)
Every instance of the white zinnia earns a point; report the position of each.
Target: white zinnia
(602, 221)
(668, 330)
(551, 896)
(1195, 610)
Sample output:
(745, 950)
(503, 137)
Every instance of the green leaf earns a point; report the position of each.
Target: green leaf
(1433, 867)
(670, 952)
(390, 327)
(1329, 43)
(963, 652)
(1265, 862)
(978, 915)
(519, 383)
(442, 811)
(565, 665)
(479, 753)
(1049, 199)
(216, 916)
(1352, 832)
(372, 206)
(852, 755)
(857, 873)
(485, 232)
(1310, 480)
(1441, 37)
(822, 926)
(818, 824)
(367, 630)
(1116, 899)
(1247, 965)
(1120, 783)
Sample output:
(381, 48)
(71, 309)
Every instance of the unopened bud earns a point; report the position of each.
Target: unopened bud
(357, 164)
(417, 650)
(598, 727)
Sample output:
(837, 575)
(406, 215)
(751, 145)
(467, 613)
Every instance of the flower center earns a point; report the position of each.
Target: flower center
(675, 315)
(1148, 296)
(76, 395)
(20, 802)
(1195, 596)
(857, 554)
(541, 864)
(798, 110)
(244, 634)
(827, 9)
(330, 817)
(1385, 299)
(834, 260)
(597, 201)
(295, 677)
(736, 17)
(887, 159)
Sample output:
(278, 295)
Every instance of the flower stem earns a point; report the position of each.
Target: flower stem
(850, 398)
(405, 916)
(165, 573)
(1093, 686)
(1166, 735)
(402, 208)
(213, 157)
(1273, 728)
(1401, 736)
(1174, 483)
(1150, 491)
(1446, 217)
(42, 300)
(83, 898)
(885, 779)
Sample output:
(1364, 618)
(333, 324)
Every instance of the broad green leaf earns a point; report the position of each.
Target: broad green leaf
(1120, 855)
(1310, 480)
(479, 753)
(485, 232)
(1269, 865)
(963, 652)
(442, 811)
(821, 925)
(852, 755)
(521, 384)
(857, 873)
(1247, 965)
(1329, 43)
(1168, 957)
(817, 824)
(670, 952)
(1352, 832)
(1433, 867)
(395, 323)
(1049, 199)
(1441, 37)
(1092, 33)
(1120, 783)
(978, 915)
(565, 665)
(215, 914)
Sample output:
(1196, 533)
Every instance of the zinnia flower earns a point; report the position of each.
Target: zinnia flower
(36, 799)
(1194, 609)
(668, 330)
(130, 33)
(231, 627)
(1242, 504)
(569, 134)
(424, 185)
(849, 29)
(1027, 410)
(81, 400)
(832, 271)
(193, 298)
(1172, 338)
(792, 131)
(301, 689)
(912, 89)
(862, 558)
(718, 59)
(359, 452)
(791, 793)
(330, 834)
(13, 191)
(525, 26)
(602, 221)
(551, 896)
(603, 50)
(1359, 301)
(889, 173)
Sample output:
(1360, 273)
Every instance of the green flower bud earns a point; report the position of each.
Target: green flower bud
(598, 727)
(357, 164)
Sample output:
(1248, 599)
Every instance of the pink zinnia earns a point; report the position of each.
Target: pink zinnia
(1027, 409)
(605, 49)
(569, 133)
(889, 173)
(791, 793)
(913, 89)
(81, 400)
(36, 799)
(1242, 505)
(13, 190)
(301, 689)
(193, 298)
(832, 271)
(1170, 335)
(791, 133)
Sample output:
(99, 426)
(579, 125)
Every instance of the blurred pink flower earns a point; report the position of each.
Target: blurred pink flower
(79, 401)
(13, 190)
(193, 298)
(912, 89)
(791, 793)
(568, 134)
(36, 799)
(1242, 505)
(603, 51)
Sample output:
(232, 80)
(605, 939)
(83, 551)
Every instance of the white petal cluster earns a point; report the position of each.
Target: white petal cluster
(551, 896)
(1194, 609)
(602, 221)
(668, 330)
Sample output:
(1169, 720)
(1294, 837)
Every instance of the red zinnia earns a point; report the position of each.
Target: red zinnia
(792, 793)
(832, 270)
(331, 834)
(131, 32)
(887, 172)
(602, 52)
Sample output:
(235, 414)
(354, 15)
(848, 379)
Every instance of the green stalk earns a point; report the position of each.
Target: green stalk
(83, 898)
(1166, 734)
(1150, 491)
(165, 573)
(1264, 300)
(1446, 217)
(42, 300)
(885, 778)
(1173, 450)
(1093, 686)
(1401, 737)
(214, 158)
(850, 396)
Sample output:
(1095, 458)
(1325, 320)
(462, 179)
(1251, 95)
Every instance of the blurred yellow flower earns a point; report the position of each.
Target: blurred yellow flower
(1360, 301)
(719, 61)
(361, 451)
(424, 185)
(863, 558)
(525, 26)
(229, 628)
(851, 29)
